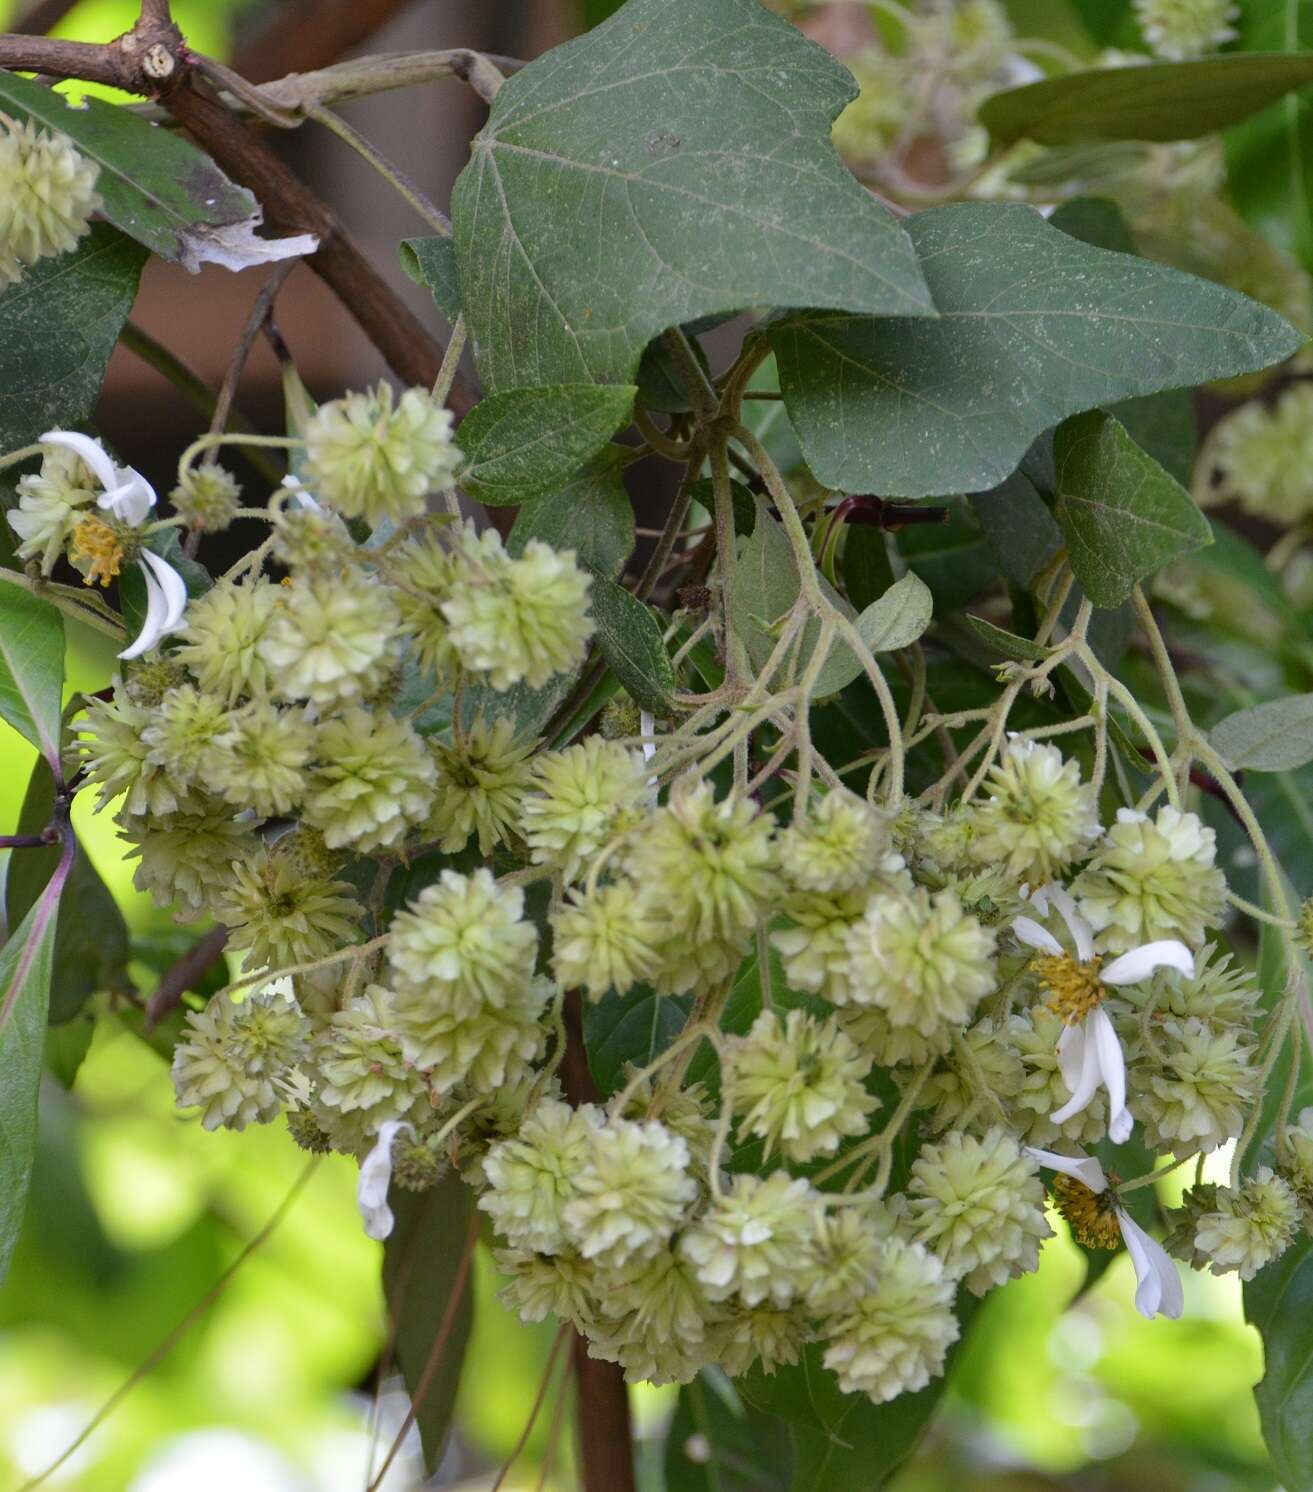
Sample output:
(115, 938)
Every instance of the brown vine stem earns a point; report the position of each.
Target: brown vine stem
(605, 1436)
(45, 16)
(183, 975)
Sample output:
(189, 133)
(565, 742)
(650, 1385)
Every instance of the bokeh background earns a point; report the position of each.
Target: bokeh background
(136, 1216)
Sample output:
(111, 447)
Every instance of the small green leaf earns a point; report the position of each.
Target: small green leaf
(718, 1443)
(590, 514)
(155, 185)
(1160, 101)
(422, 1270)
(1122, 515)
(431, 262)
(672, 164)
(1033, 326)
(1279, 1302)
(899, 617)
(630, 1030)
(1007, 644)
(25, 965)
(58, 326)
(631, 642)
(1276, 736)
(703, 493)
(523, 443)
(91, 938)
(32, 668)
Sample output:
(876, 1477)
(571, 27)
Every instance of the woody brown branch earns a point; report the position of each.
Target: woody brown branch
(152, 60)
(310, 34)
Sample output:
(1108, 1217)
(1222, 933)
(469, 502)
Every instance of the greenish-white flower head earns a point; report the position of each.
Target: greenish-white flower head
(364, 1080)
(581, 796)
(462, 945)
(887, 1045)
(481, 787)
(871, 123)
(208, 497)
(1297, 1158)
(1192, 1089)
(655, 1309)
(533, 1175)
(980, 1067)
(922, 959)
(707, 869)
(1263, 457)
(116, 756)
(516, 620)
(310, 540)
(373, 782)
(222, 635)
(234, 1061)
(1037, 818)
(978, 1204)
(280, 916)
(260, 758)
(1151, 880)
(753, 1243)
(332, 639)
(1034, 1035)
(839, 846)
(813, 948)
(895, 1337)
(371, 455)
(847, 1245)
(182, 732)
(1180, 29)
(1222, 993)
(1251, 1225)
(542, 1285)
(51, 503)
(604, 940)
(185, 859)
(632, 1194)
(47, 196)
(798, 1084)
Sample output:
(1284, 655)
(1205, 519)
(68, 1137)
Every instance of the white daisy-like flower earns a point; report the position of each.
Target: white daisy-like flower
(1158, 1290)
(129, 497)
(1089, 1052)
(376, 1178)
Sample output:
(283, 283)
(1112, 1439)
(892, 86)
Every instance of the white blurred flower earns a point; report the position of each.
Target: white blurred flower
(376, 1178)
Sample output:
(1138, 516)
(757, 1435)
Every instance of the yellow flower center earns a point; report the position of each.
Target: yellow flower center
(1091, 1215)
(1074, 989)
(101, 546)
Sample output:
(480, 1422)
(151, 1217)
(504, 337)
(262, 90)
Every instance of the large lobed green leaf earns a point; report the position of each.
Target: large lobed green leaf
(32, 668)
(423, 1261)
(58, 326)
(672, 164)
(1161, 101)
(1122, 515)
(25, 965)
(1269, 158)
(1034, 326)
(154, 185)
(525, 442)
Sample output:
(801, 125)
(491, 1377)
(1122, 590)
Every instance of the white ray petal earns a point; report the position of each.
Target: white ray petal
(152, 629)
(1100, 1031)
(1071, 1054)
(173, 586)
(130, 498)
(1087, 1081)
(1084, 1168)
(1159, 1291)
(1033, 935)
(376, 1178)
(1139, 963)
(1082, 934)
(89, 451)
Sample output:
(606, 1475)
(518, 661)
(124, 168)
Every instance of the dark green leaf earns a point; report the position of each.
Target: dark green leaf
(674, 163)
(155, 186)
(744, 504)
(58, 326)
(1018, 527)
(422, 1270)
(630, 1030)
(717, 1443)
(1269, 158)
(1033, 326)
(1122, 515)
(32, 668)
(661, 385)
(1097, 221)
(1161, 101)
(1110, 22)
(867, 573)
(431, 262)
(630, 640)
(953, 558)
(590, 514)
(529, 709)
(25, 964)
(66, 1046)
(91, 939)
(1007, 644)
(526, 442)
(1279, 1302)
(1276, 736)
